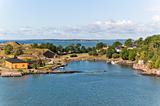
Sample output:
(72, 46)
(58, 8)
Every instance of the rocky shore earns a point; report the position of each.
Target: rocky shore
(145, 70)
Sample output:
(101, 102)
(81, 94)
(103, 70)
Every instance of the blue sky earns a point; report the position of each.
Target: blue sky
(74, 19)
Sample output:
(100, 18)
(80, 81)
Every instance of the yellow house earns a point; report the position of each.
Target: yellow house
(15, 63)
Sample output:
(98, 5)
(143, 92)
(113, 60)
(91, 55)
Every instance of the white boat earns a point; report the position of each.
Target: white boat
(113, 62)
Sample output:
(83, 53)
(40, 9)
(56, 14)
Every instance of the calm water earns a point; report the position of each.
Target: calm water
(87, 43)
(100, 84)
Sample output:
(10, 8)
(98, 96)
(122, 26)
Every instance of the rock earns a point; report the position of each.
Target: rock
(145, 70)
(11, 74)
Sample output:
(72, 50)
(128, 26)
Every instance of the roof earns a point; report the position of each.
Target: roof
(49, 54)
(15, 60)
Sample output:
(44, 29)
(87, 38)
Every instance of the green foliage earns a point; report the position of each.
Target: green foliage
(132, 55)
(100, 45)
(117, 44)
(147, 49)
(128, 43)
(60, 50)
(35, 45)
(102, 52)
(83, 49)
(18, 51)
(49, 46)
(124, 54)
(115, 55)
(8, 49)
(70, 48)
(19, 70)
(34, 65)
(139, 42)
(110, 51)
(40, 63)
(157, 63)
(93, 53)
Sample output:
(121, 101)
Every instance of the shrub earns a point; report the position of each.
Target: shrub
(115, 55)
(124, 54)
(93, 53)
(102, 52)
(20, 70)
(110, 51)
(100, 45)
(8, 49)
(132, 55)
(18, 51)
(34, 65)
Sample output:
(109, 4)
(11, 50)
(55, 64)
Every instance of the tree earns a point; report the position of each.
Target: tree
(35, 45)
(34, 65)
(77, 48)
(117, 44)
(110, 51)
(139, 42)
(157, 63)
(8, 49)
(128, 43)
(70, 48)
(102, 52)
(124, 54)
(100, 45)
(93, 53)
(60, 49)
(83, 49)
(115, 55)
(132, 55)
(18, 51)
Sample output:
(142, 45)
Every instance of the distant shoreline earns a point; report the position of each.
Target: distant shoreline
(64, 39)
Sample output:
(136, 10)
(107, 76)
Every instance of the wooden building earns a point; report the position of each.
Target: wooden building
(49, 54)
(15, 63)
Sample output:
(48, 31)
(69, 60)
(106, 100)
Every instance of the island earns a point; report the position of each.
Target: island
(23, 59)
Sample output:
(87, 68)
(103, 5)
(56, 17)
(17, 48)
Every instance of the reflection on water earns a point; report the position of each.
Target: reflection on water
(100, 84)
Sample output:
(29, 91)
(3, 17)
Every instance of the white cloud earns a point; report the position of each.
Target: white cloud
(156, 19)
(109, 29)
(154, 8)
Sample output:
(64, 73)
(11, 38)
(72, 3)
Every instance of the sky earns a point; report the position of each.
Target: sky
(79, 19)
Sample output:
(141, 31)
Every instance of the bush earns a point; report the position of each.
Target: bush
(115, 55)
(157, 63)
(132, 55)
(20, 70)
(128, 43)
(93, 53)
(117, 44)
(124, 54)
(102, 52)
(34, 65)
(18, 51)
(73, 55)
(100, 45)
(8, 49)
(110, 51)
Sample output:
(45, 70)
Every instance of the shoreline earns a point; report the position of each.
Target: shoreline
(145, 70)
(141, 69)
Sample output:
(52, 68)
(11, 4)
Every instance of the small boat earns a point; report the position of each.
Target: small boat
(112, 62)
(61, 67)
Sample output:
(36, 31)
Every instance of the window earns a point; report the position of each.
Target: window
(15, 66)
